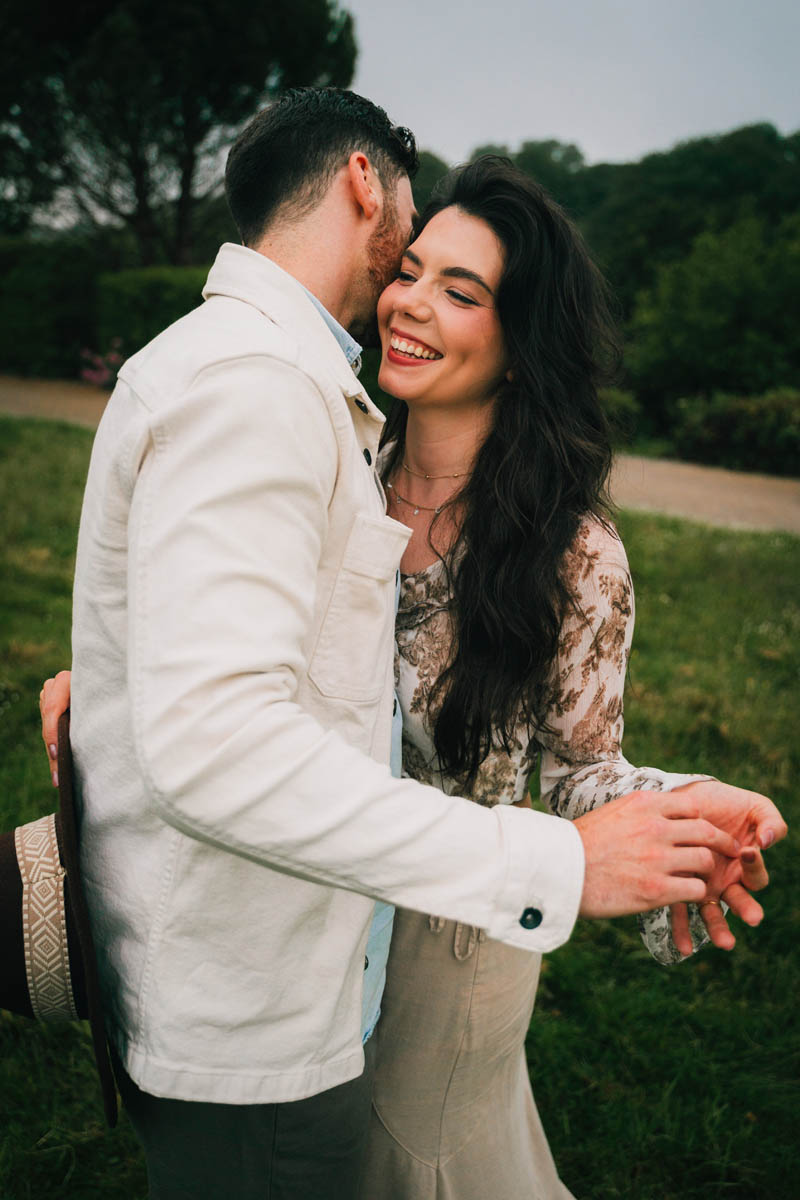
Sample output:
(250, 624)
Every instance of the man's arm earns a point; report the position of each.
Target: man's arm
(226, 532)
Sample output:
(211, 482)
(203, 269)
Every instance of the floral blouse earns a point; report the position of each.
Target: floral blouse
(580, 754)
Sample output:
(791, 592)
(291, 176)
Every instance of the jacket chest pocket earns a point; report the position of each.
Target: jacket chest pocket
(354, 648)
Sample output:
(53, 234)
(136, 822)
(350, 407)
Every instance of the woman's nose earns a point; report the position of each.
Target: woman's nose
(416, 302)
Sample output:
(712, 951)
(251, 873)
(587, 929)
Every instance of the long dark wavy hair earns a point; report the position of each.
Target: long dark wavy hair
(541, 470)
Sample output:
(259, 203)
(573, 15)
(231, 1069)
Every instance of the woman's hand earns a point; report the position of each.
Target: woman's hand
(53, 701)
(747, 874)
(755, 823)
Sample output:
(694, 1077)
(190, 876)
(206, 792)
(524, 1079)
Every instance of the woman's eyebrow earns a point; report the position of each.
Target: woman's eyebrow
(455, 272)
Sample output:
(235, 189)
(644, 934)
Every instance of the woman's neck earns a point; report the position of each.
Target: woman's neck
(443, 444)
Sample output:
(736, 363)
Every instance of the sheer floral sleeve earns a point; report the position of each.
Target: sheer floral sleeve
(582, 764)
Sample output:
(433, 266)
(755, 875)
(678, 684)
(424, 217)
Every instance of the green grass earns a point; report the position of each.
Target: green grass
(652, 1083)
(664, 1083)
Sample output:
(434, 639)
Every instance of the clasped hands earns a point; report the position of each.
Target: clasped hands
(700, 843)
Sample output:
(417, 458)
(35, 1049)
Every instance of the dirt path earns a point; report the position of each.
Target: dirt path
(709, 494)
(57, 400)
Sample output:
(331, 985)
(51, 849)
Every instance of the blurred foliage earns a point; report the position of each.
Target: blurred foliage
(700, 242)
(136, 305)
(431, 170)
(123, 110)
(637, 216)
(46, 305)
(558, 166)
(746, 433)
(702, 246)
(722, 317)
(624, 414)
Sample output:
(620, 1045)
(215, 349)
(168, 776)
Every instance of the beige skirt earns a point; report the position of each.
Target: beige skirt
(453, 1113)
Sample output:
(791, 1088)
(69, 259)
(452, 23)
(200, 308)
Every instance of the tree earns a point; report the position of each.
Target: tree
(640, 216)
(431, 170)
(491, 148)
(557, 166)
(722, 318)
(124, 113)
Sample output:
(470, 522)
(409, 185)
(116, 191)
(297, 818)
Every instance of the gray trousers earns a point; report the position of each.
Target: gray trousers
(302, 1150)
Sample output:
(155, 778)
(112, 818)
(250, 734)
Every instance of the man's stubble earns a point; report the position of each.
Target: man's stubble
(384, 254)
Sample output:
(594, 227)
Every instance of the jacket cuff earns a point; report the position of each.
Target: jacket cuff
(539, 901)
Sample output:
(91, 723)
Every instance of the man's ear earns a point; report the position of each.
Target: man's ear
(364, 184)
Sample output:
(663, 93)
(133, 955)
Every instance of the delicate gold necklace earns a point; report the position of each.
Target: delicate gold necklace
(422, 475)
(418, 507)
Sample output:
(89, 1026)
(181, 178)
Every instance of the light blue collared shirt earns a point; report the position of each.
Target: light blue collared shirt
(380, 934)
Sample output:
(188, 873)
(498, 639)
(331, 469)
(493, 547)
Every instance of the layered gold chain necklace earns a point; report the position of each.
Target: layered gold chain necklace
(422, 475)
(418, 508)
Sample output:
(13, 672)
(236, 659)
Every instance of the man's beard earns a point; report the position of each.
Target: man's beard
(384, 255)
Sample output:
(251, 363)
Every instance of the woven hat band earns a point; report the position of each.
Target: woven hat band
(44, 921)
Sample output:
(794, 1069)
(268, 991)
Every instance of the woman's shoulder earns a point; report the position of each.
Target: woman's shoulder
(596, 545)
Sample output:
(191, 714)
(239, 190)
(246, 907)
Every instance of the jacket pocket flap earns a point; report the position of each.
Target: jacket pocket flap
(375, 546)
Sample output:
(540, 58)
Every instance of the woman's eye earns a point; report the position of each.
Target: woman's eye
(406, 277)
(460, 297)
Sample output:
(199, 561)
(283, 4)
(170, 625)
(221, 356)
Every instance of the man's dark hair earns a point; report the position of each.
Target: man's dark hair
(288, 155)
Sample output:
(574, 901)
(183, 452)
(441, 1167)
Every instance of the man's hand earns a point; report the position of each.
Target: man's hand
(648, 849)
(754, 821)
(53, 701)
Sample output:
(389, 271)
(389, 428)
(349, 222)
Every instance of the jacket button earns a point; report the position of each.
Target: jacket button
(366, 962)
(360, 404)
(531, 918)
(368, 457)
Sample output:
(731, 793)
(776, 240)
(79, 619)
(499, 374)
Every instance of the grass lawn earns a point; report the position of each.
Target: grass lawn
(652, 1083)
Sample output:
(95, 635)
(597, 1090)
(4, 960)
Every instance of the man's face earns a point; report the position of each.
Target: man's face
(385, 250)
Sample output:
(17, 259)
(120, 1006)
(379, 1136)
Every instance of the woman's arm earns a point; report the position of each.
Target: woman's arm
(582, 764)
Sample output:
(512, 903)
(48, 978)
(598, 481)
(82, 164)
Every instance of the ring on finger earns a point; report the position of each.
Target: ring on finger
(704, 903)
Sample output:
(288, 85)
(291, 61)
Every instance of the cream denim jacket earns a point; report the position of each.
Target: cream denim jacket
(231, 712)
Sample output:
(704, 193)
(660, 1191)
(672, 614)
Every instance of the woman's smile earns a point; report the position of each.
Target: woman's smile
(408, 351)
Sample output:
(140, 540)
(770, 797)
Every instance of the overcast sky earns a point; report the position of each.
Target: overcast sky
(617, 77)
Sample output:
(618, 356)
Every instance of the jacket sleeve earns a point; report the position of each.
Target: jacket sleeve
(582, 764)
(228, 520)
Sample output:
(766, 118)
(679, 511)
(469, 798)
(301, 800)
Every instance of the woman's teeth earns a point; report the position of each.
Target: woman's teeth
(412, 349)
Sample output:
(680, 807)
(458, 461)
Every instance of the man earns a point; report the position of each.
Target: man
(232, 697)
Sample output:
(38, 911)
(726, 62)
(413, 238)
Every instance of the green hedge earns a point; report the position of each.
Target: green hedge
(47, 306)
(134, 306)
(746, 433)
(624, 414)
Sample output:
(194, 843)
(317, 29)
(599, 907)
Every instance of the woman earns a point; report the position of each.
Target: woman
(513, 633)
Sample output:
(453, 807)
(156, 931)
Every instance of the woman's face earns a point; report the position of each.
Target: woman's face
(440, 334)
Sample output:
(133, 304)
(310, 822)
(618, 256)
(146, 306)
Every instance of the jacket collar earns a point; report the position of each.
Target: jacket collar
(244, 274)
